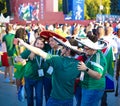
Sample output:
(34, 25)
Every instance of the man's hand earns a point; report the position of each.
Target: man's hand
(82, 66)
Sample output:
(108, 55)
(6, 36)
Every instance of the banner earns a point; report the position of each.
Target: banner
(109, 18)
(29, 11)
(76, 10)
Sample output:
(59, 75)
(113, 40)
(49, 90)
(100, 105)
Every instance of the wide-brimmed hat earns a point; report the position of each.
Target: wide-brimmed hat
(69, 43)
(99, 45)
(47, 34)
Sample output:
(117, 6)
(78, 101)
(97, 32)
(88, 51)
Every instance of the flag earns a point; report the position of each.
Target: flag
(108, 52)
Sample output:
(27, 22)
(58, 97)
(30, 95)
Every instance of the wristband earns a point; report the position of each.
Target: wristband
(87, 70)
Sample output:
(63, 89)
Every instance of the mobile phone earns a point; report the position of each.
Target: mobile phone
(15, 41)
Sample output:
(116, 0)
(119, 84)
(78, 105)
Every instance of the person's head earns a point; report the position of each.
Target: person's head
(108, 31)
(53, 44)
(118, 33)
(93, 38)
(20, 33)
(100, 31)
(106, 24)
(66, 51)
(39, 42)
(90, 45)
(9, 28)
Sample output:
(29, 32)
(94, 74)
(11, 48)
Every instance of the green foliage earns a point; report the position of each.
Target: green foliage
(92, 8)
(59, 5)
(3, 8)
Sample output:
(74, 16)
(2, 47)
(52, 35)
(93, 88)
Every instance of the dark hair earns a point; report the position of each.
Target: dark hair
(93, 38)
(73, 42)
(20, 33)
(39, 38)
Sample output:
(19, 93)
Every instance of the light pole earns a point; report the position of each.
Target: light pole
(100, 8)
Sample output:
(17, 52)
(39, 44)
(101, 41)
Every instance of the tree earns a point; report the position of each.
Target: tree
(60, 5)
(92, 8)
(3, 8)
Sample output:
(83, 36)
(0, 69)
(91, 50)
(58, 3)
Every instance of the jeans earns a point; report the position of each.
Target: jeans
(78, 94)
(91, 97)
(30, 85)
(54, 102)
(47, 87)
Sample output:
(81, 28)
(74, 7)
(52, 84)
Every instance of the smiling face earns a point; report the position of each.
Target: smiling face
(53, 43)
(39, 44)
(65, 51)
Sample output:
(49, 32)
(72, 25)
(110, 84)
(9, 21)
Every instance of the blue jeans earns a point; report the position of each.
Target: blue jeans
(30, 85)
(47, 87)
(91, 97)
(55, 102)
(78, 95)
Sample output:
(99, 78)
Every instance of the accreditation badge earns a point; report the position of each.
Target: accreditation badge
(40, 73)
(50, 70)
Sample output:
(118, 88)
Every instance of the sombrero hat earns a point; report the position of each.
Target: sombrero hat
(99, 45)
(47, 34)
(71, 44)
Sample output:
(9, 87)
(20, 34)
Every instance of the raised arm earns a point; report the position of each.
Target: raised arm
(35, 50)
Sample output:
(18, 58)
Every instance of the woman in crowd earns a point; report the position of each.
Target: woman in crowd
(33, 73)
(19, 71)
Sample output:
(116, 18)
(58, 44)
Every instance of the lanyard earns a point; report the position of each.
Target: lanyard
(51, 52)
(39, 63)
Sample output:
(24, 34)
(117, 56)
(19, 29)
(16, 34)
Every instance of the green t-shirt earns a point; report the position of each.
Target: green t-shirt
(63, 77)
(31, 68)
(46, 65)
(8, 39)
(97, 63)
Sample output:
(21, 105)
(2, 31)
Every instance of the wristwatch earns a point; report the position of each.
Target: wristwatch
(87, 70)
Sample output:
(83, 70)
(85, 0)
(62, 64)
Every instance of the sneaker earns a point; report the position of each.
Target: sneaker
(7, 80)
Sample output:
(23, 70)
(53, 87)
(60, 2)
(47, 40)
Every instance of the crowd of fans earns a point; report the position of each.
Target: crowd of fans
(29, 62)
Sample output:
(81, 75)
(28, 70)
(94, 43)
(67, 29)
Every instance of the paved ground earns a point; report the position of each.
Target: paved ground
(8, 96)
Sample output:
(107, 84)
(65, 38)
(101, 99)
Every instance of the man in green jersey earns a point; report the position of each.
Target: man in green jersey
(8, 39)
